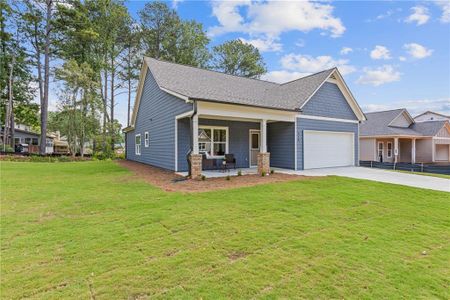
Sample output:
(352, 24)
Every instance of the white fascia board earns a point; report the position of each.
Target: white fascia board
(327, 119)
(178, 95)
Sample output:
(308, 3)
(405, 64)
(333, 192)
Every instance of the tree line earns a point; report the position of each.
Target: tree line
(89, 53)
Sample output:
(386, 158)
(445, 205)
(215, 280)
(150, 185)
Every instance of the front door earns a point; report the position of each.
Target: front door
(254, 147)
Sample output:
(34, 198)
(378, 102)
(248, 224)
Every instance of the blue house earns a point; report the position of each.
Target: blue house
(185, 116)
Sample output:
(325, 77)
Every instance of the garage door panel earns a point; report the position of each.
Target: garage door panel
(324, 149)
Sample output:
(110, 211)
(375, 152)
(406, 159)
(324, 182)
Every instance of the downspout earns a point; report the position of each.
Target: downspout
(194, 109)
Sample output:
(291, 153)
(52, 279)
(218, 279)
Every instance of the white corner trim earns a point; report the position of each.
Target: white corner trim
(182, 97)
(327, 119)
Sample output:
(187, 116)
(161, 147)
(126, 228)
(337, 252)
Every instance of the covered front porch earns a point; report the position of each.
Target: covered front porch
(220, 139)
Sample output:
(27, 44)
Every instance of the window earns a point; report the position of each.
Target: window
(389, 149)
(255, 140)
(16, 141)
(146, 139)
(213, 141)
(137, 144)
(35, 141)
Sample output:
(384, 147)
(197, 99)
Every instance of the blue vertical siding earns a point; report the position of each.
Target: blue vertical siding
(328, 101)
(156, 115)
(306, 124)
(281, 144)
(184, 143)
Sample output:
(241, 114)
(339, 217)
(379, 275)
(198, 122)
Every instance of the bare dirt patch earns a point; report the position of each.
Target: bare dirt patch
(169, 181)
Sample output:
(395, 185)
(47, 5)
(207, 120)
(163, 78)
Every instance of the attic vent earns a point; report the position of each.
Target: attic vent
(332, 77)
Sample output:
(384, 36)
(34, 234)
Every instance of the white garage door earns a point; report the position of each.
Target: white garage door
(323, 149)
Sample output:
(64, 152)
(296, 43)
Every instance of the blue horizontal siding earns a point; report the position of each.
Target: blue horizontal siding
(328, 101)
(307, 124)
(156, 114)
(184, 143)
(281, 144)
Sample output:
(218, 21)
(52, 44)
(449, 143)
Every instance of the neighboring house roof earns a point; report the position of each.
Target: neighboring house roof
(432, 112)
(379, 124)
(191, 83)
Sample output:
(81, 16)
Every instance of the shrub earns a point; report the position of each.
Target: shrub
(203, 177)
(239, 173)
(263, 173)
(272, 171)
(7, 148)
(64, 158)
(228, 177)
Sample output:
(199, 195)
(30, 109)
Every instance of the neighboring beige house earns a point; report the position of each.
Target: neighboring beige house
(394, 136)
(431, 116)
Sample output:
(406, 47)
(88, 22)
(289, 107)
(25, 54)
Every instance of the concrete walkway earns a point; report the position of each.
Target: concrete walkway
(419, 181)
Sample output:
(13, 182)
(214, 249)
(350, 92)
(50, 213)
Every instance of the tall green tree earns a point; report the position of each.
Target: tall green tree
(238, 58)
(157, 22)
(16, 91)
(167, 37)
(36, 23)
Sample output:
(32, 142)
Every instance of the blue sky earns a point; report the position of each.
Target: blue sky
(392, 53)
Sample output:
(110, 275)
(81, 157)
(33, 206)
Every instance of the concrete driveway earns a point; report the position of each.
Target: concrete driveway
(419, 181)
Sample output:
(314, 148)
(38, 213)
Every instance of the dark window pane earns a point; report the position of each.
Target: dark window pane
(220, 135)
(219, 148)
(255, 141)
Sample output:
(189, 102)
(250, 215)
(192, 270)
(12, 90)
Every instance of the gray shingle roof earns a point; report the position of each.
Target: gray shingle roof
(209, 85)
(377, 124)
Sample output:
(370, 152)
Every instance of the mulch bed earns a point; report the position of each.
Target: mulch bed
(169, 181)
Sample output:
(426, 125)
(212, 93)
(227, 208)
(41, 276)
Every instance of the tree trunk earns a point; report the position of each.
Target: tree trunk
(111, 116)
(129, 85)
(44, 103)
(105, 99)
(9, 108)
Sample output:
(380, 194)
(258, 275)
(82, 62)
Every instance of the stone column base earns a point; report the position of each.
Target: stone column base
(196, 165)
(263, 163)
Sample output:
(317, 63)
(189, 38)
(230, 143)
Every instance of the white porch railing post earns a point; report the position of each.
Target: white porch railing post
(413, 151)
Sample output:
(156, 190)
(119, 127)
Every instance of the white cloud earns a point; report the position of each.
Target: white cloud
(308, 64)
(420, 15)
(283, 76)
(380, 52)
(264, 44)
(445, 6)
(415, 107)
(274, 17)
(175, 3)
(379, 76)
(346, 50)
(417, 50)
(402, 58)
(386, 15)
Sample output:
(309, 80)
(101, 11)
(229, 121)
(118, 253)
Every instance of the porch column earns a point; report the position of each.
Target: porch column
(395, 149)
(413, 151)
(195, 134)
(263, 155)
(195, 158)
(263, 126)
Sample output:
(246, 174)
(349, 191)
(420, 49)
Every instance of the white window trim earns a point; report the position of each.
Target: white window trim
(387, 149)
(212, 138)
(146, 139)
(136, 145)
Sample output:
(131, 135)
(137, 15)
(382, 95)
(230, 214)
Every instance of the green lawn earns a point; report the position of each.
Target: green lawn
(88, 230)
